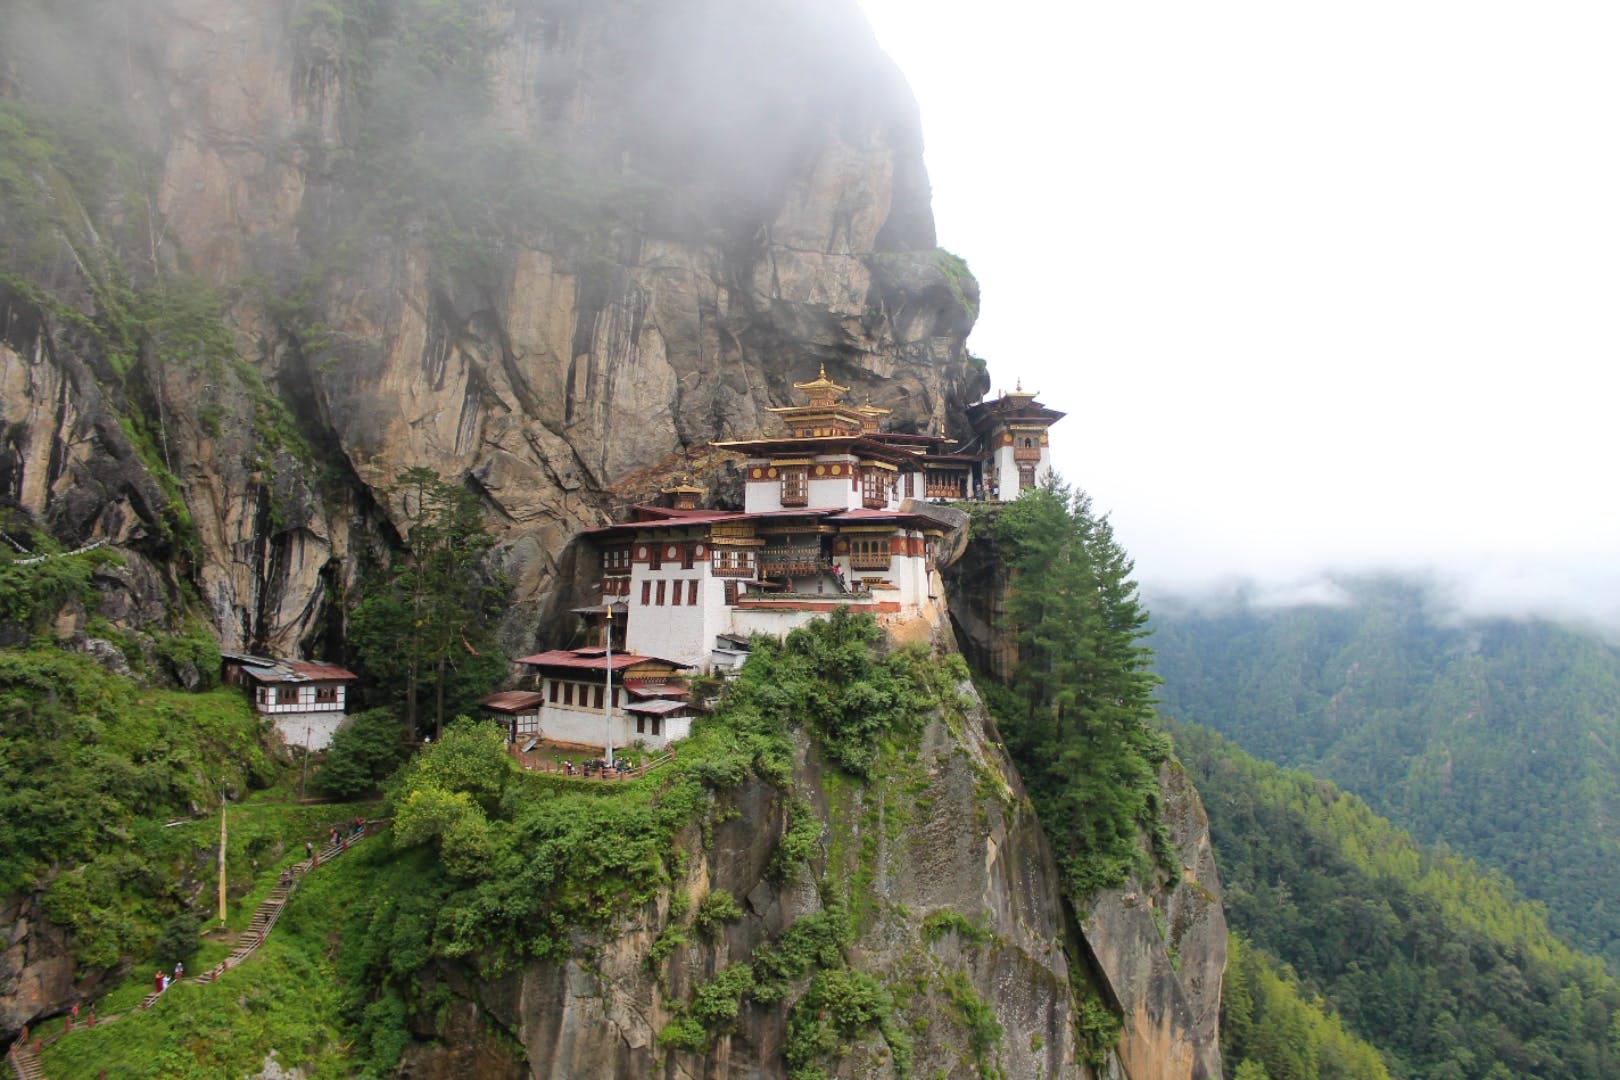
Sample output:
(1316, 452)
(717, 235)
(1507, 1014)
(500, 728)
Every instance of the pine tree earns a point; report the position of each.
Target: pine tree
(1083, 691)
(425, 626)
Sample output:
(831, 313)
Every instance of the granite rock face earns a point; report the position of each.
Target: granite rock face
(952, 837)
(537, 246)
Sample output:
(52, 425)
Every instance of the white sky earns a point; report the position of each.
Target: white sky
(1321, 286)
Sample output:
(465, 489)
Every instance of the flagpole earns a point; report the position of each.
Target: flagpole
(222, 808)
(607, 706)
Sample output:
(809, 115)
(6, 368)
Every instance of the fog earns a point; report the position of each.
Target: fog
(1324, 290)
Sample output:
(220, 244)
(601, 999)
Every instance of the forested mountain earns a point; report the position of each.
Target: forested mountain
(1500, 739)
(1436, 963)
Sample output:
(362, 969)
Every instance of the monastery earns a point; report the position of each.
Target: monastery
(837, 513)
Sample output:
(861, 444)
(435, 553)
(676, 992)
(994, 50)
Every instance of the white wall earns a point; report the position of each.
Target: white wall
(311, 730)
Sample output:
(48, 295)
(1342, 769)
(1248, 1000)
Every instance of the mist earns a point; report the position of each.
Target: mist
(1325, 292)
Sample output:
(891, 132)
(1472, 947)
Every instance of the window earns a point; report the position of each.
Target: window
(796, 486)
(556, 691)
(676, 599)
(869, 553)
(1026, 477)
(326, 695)
(656, 724)
(568, 693)
(646, 593)
(264, 695)
(687, 554)
(528, 724)
(286, 695)
(641, 725)
(598, 696)
(661, 590)
(874, 488)
(655, 559)
(691, 591)
(731, 593)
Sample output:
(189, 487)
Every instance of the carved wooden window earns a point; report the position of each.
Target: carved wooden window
(731, 593)
(1026, 477)
(597, 694)
(568, 693)
(874, 488)
(646, 593)
(796, 486)
(691, 591)
(286, 695)
(556, 691)
(661, 591)
(326, 695)
(676, 599)
(869, 553)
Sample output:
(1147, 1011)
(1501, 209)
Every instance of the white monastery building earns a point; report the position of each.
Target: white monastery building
(837, 513)
(305, 700)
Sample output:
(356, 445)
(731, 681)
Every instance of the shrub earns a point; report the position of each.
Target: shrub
(716, 908)
(178, 941)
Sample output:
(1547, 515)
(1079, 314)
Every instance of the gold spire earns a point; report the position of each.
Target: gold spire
(822, 390)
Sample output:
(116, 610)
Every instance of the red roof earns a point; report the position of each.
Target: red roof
(512, 701)
(305, 669)
(642, 688)
(571, 658)
(661, 707)
(863, 514)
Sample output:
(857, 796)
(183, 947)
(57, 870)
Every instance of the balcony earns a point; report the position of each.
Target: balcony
(869, 561)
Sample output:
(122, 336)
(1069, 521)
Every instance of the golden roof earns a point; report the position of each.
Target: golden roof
(822, 390)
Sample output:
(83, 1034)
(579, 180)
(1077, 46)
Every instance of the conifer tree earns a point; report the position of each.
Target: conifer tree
(1081, 689)
(426, 625)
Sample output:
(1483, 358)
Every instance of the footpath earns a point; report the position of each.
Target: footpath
(23, 1057)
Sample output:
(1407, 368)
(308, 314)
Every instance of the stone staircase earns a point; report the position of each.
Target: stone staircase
(23, 1060)
(23, 1056)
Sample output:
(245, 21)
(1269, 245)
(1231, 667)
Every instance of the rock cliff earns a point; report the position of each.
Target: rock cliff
(536, 245)
(258, 257)
(954, 889)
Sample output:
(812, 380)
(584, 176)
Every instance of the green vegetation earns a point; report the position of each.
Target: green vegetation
(945, 921)
(1499, 739)
(851, 697)
(840, 1005)
(1076, 714)
(1436, 964)
(1270, 1026)
(90, 770)
(424, 628)
(714, 911)
(32, 594)
(960, 279)
(363, 753)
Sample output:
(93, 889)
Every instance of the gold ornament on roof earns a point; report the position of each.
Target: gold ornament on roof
(822, 390)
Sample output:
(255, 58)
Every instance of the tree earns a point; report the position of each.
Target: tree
(1081, 695)
(364, 752)
(424, 625)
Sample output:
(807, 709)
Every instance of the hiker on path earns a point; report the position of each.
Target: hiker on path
(157, 982)
(179, 971)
